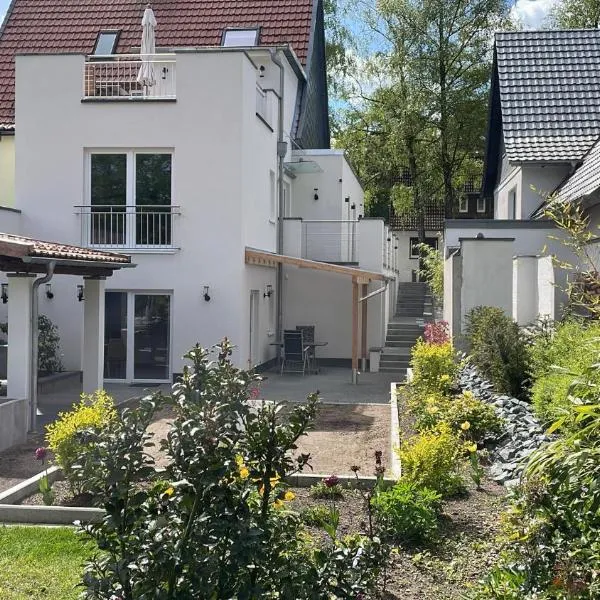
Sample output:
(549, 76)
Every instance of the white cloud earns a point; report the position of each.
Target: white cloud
(531, 14)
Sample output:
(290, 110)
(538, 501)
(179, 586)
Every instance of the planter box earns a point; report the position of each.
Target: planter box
(14, 419)
(3, 360)
(374, 358)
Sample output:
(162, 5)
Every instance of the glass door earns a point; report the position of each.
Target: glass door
(137, 336)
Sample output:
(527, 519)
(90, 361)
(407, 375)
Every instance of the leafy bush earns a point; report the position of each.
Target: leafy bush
(431, 460)
(316, 516)
(559, 361)
(67, 436)
(328, 489)
(437, 332)
(552, 529)
(221, 529)
(434, 366)
(432, 269)
(498, 350)
(48, 347)
(408, 513)
(431, 410)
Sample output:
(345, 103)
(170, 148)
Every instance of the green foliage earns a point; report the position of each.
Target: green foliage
(432, 270)
(221, 529)
(576, 14)
(431, 459)
(48, 347)
(408, 513)
(560, 364)
(67, 437)
(476, 471)
(498, 350)
(435, 367)
(320, 491)
(552, 546)
(45, 488)
(315, 516)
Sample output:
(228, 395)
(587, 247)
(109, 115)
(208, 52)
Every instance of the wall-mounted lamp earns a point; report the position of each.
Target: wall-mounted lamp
(4, 294)
(261, 71)
(347, 199)
(316, 196)
(395, 247)
(389, 239)
(49, 292)
(353, 206)
(268, 291)
(206, 295)
(80, 295)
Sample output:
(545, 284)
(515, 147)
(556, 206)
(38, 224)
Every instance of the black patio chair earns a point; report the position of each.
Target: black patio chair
(295, 353)
(308, 338)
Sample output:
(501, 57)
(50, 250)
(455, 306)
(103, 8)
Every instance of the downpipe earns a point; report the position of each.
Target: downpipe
(33, 373)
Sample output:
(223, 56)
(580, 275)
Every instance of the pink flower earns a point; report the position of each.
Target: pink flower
(40, 453)
(254, 393)
(331, 481)
(437, 332)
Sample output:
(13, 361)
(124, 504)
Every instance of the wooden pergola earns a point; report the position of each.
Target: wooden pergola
(360, 283)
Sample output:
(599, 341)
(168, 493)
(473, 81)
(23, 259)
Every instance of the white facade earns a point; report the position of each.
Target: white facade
(220, 132)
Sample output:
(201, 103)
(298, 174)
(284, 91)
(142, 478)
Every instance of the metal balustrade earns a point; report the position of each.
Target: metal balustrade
(126, 76)
(263, 107)
(127, 227)
(330, 241)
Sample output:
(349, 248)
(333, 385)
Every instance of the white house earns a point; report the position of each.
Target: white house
(217, 180)
(544, 124)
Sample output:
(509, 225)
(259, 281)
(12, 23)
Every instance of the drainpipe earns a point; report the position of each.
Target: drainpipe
(33, 374)
(281, 153)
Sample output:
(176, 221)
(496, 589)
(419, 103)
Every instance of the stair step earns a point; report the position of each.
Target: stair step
(401, 372)
(389, 343)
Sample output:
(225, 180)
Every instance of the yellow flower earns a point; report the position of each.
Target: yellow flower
(445, 377)
(169, 491)
(289, 496)
(278, 504)
(432, 409)
(244, 473)
(466, 426)
(472, 447)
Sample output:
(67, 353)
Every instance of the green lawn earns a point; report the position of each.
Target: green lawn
(40, 562)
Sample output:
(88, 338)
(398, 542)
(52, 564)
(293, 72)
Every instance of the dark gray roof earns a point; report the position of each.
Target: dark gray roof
(585, 180)
(549, 93)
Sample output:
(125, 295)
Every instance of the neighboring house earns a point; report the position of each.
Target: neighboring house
(544, 124)
(187, 176)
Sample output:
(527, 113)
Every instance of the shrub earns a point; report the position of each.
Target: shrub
(328, 489)
(408, 513)
(559, 360)
(498, 350)
(482, 417)
(67, 436)
(432, 269)
(48, 347)
(431, 459)
(221, 529)
(316, 516)
(552, 528)
(434, 366)
(437, 332)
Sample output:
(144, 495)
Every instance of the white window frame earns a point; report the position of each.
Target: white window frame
(463, 204)
(241, 30)
(130, 179)
(511, 206)
(481, 202)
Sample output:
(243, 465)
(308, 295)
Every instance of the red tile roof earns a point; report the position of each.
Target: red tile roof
(18, 246)
(53, 26)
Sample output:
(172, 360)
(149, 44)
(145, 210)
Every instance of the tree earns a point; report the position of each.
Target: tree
(576, 14)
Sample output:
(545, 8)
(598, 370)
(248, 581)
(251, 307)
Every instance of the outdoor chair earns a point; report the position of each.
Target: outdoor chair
(308, 338)
(295, 353)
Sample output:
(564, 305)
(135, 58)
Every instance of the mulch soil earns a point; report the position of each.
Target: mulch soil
(19, 463)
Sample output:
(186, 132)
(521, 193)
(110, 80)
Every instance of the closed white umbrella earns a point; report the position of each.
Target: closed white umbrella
(146, 75)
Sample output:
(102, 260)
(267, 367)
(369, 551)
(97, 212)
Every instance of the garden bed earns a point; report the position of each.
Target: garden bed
(444, 569)
(18, 464)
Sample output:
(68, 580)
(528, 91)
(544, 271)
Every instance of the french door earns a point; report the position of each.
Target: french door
(137, 336)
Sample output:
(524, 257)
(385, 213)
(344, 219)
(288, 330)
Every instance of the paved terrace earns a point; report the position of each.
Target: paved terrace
(333, 384)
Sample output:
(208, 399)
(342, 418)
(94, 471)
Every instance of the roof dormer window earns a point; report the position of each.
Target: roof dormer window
(240, 38)
(106, 43)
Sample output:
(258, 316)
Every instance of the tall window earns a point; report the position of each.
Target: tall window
(463, 204)
(512, 203)
(480, 205)
(130, 198)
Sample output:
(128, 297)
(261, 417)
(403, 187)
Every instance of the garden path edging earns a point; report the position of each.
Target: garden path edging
(49, 515)
(29, 486)
(395, 466)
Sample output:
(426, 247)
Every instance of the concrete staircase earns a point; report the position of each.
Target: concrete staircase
(413, 308)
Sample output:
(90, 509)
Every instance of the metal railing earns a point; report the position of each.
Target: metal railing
(127, 227)
(130, 76)
(263, 108)
(330, 241)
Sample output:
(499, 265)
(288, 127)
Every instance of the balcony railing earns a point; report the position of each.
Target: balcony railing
(128, 227)
(130, 76)
(330, 241)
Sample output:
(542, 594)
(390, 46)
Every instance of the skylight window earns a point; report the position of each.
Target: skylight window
(240, 38)
(106, 42)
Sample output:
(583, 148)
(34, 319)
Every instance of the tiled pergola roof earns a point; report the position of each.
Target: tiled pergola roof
(27, 255)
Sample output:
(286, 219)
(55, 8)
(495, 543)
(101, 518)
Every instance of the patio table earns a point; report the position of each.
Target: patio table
(314, 346)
